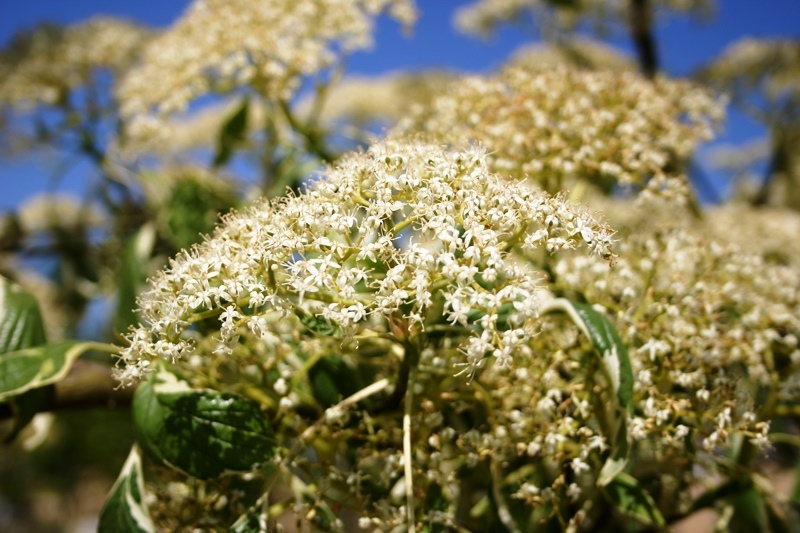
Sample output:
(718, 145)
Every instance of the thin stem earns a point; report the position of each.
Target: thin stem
(364, 393)
(314, 140)
(407, 459)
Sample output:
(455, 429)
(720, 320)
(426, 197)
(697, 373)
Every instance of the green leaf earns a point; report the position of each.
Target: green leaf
(25, 407)
(132, 276)
(632, 500)
(323, 378)
(124, 510)
(21, 324)
(232, 134)
(319, 325)
(332, 379)
(203, 433)
(617, 366)
(31, 368)
(613, 353)
(749, 510)
(618, 459)
(193, 208)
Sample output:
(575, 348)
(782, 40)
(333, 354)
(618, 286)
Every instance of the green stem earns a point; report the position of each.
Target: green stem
(314, 140)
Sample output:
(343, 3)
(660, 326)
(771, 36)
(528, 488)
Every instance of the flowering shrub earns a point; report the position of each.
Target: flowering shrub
(407, 235)
(426, 333)
(269, 46)
(409, 250)
(566, 125)
(48, 65)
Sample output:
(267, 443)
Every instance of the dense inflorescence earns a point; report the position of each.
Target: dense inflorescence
(407, 232)
(267, 45)
(567, 125)
(44, 66)
(482, 17)
(704, 318)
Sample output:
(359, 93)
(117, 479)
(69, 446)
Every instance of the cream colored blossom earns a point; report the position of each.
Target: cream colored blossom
(706, 322)
(564, 125)
(770, 66)
(577, 52)
(44, 66)
(769, 233)
(48, 212)
(390, 97)
(334, 253)
(267, 45)
(482, 17)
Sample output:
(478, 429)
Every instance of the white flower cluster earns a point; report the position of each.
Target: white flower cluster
(42, 67)
(401, 238)
(701, 318)
(771, 66)
(269, 45)
(482, 17)
(565, 125)
(578, 52)
(388, 98)
(769, 233)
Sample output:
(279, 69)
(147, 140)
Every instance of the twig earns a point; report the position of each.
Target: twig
(642, 35)
(334, 410)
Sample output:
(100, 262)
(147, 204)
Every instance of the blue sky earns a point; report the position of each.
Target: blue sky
(684, 44)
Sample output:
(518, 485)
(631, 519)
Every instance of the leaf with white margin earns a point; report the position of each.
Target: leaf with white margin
(124, 510)
(31, 368)
(617, 366)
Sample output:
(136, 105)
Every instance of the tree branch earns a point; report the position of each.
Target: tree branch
(642, 34)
